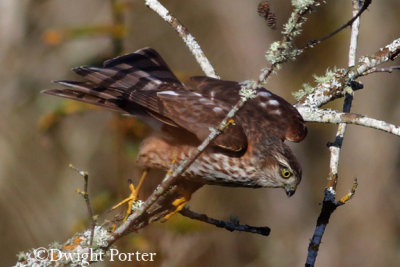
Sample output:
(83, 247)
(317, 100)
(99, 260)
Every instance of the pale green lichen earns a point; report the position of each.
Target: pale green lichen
(280, 52)
(307, 89)
(100, 237)
(248, 90)
(302, 4)
(21, 256)
(77, 246)
(331, 76)
(273, 53)
(137, 205)
(293, 27)
(348, 90)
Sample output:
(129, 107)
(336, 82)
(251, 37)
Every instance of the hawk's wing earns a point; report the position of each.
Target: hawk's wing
(141, 83)
(266, 115)
(198, 114)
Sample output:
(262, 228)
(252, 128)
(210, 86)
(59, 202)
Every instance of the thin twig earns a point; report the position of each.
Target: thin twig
(230, 226)
(85, 195)
(188, 38)
(350, 195)
(329, 203)
(312, 43)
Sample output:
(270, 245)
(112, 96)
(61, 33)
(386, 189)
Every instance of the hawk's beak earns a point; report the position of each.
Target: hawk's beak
(290, 190)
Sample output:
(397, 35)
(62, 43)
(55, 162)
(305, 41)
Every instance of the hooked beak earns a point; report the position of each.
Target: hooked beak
(290, 190)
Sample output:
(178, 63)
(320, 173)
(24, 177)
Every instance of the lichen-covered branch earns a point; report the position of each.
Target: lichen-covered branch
(76, 251)
(230, 226)
(336, 83)
(284, 50)
(187, 37)
(329, 203)
(332, 116)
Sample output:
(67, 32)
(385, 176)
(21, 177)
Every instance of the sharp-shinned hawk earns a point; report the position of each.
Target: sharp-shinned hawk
(250, 153)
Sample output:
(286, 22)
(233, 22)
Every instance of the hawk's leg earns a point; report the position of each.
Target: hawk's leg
(182, 194)
(133, 197)
(178, 203)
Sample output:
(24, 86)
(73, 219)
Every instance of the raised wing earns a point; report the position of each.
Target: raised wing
(269, 114)
(142, 84)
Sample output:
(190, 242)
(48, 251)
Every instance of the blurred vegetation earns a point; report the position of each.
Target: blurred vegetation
(40, 135)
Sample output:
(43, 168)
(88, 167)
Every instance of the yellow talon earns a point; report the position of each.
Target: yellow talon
(179, 203)
(133, 197)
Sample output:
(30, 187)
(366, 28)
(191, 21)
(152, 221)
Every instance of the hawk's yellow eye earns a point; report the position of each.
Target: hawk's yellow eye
(285, 173)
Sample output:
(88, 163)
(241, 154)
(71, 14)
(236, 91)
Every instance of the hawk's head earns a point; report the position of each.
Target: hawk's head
(280, 168)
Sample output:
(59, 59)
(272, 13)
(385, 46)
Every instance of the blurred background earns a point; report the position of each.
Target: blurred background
(40, 135)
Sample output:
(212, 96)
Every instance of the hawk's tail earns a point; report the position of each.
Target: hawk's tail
(114, 84)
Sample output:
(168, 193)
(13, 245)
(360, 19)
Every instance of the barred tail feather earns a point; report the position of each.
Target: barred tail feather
(120, 82)
(146, 60)
(142, 70)
(88, 93)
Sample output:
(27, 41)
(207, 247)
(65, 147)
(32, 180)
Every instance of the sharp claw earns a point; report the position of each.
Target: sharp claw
(133, 197)
(179, 203)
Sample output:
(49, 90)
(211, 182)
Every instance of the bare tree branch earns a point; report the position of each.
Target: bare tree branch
(329, 203)
(350, 22)
(230, 226)
(85, 195)
(332, 116)
(187, 37)
(389, 70)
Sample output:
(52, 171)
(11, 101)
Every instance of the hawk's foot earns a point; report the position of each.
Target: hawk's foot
(178, 203)
(133, 197)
